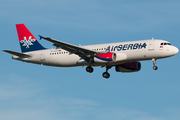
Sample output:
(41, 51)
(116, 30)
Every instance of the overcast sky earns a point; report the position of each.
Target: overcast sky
(35, 92)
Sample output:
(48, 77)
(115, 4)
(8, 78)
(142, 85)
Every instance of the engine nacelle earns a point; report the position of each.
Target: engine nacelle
(105, 57)
(129, 67)
(120, 56)
(110, 57)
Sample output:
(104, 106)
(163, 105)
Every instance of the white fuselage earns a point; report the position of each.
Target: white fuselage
(126, 52)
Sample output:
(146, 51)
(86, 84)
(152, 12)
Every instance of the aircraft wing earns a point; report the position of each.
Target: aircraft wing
(73, 49)
(16, 53)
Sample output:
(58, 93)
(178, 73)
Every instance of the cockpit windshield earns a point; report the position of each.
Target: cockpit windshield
(165, 43)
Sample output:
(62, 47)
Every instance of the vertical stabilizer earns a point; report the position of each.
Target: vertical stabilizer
(26, 39)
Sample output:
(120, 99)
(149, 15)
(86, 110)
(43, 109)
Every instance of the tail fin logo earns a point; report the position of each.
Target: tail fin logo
(28, 42)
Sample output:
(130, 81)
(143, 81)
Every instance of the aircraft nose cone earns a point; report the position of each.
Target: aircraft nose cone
(176, 50)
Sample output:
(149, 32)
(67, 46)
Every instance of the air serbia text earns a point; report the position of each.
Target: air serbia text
(126, 47)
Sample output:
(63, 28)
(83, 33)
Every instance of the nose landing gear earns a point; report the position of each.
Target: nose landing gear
(154, 63)
(155, 67)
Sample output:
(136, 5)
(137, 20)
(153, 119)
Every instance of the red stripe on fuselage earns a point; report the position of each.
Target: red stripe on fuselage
(105, 55)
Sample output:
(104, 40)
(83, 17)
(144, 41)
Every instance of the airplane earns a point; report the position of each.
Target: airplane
(124, 56)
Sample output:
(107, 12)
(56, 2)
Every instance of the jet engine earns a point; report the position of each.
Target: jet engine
(128, 67)
(105, 57)
(110, 57)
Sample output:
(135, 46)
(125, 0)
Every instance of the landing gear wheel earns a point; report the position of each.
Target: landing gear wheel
(89, 69)
(154, 63)
(155, 67)
(106, 75)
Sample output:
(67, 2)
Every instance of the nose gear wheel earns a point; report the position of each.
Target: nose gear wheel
(154, 63)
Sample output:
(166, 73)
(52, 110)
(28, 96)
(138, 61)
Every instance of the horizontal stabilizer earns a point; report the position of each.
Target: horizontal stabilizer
(16, 53)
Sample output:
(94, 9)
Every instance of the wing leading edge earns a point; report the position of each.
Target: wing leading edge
(73, 49)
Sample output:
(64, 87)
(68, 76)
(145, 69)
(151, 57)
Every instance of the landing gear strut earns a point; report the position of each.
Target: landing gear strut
(106, 74)
(154, 63)
(89, 68)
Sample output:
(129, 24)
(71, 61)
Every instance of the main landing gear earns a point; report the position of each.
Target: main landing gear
(154, 63)
(89, 68)
(106, 74)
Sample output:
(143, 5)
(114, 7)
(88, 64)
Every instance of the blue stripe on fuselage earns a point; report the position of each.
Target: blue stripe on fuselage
(104, 59)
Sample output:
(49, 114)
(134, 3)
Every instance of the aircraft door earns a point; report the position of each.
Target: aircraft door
(151, 45)
(42, 58)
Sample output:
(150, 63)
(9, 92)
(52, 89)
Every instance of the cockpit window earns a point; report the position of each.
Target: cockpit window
(165, 43)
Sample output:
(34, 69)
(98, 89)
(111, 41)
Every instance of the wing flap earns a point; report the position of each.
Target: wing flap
(17, 53)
